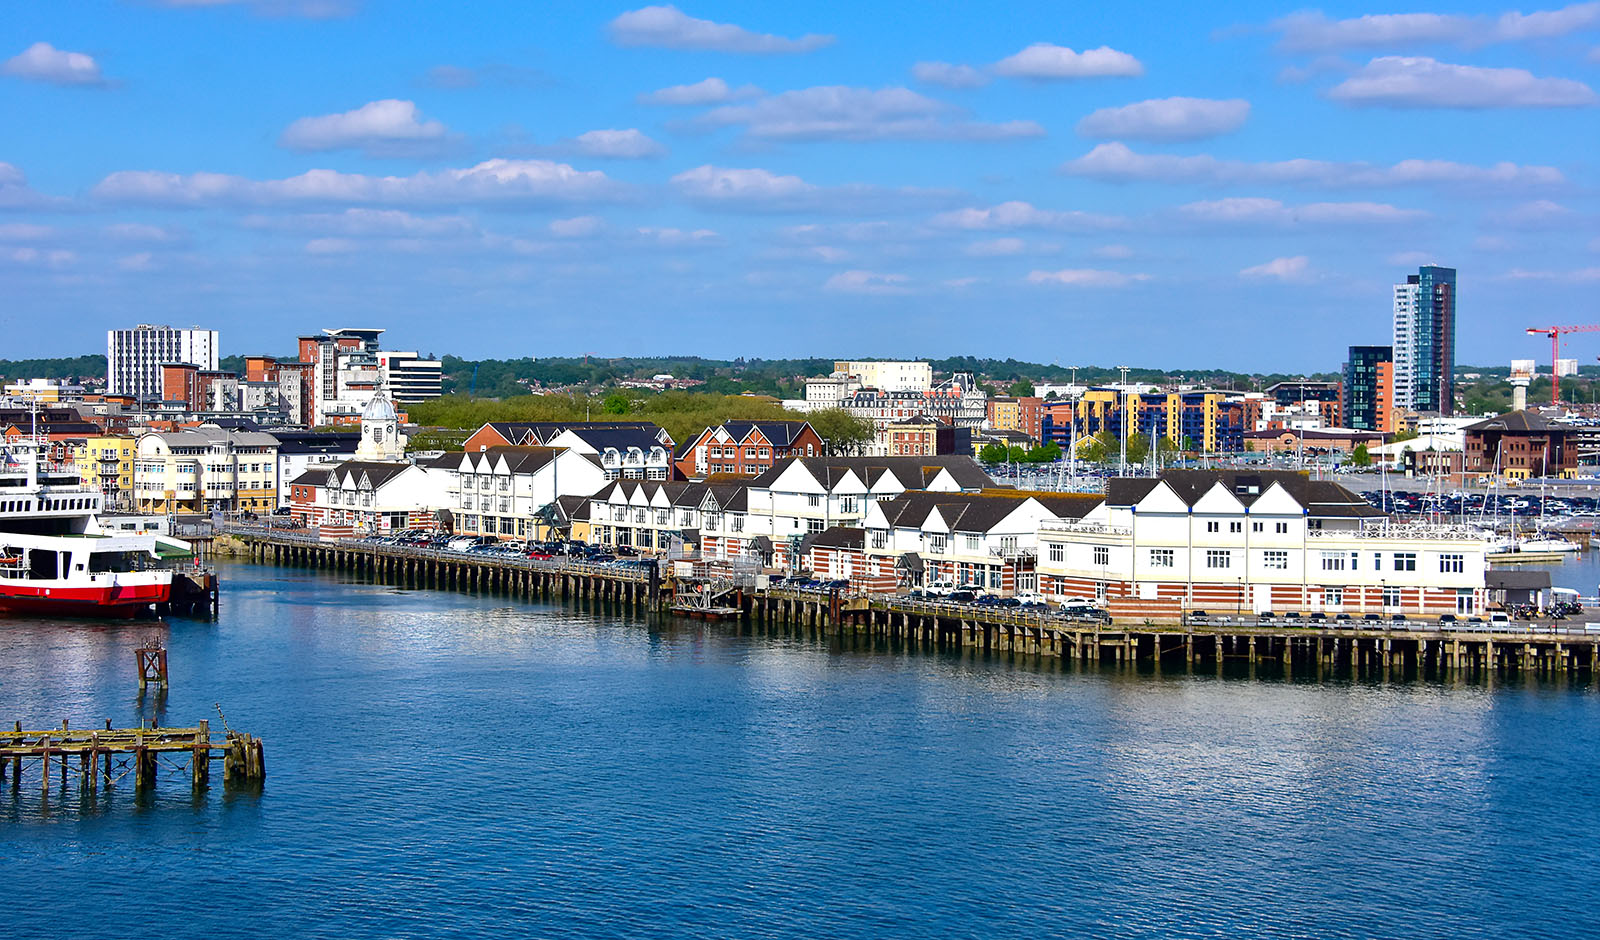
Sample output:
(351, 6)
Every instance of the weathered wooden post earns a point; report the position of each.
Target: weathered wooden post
(152, 660)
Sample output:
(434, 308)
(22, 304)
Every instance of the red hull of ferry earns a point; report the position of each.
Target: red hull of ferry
(119, 601)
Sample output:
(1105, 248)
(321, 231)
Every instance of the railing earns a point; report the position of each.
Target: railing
(1090, 528)
(1410, 532)
(1013, 551)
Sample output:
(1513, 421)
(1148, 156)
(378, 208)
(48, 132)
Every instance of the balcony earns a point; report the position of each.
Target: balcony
(1082, 528)
(1014, 551)
(1409, 532)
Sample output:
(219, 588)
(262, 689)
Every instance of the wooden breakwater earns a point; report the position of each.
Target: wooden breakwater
(104, 757)
(1414, 648)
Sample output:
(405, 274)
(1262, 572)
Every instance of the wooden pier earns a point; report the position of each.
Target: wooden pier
(105, 757)
(1416, 649)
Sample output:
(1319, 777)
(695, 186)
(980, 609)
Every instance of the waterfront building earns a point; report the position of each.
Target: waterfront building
(299, 451)
(1369, 389)
(541, 433)
(623, 453)
(1425, 340)
(509, 492)
(1205, 420)
(746, 448)
(134, 357)
(206, 469)
(1524, 444)
(360, 498)
(656, 516)
(1241, 542)
(1310, 442)
(807, 495)
(107, 461)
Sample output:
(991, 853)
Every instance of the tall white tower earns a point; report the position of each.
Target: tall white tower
(1405, 345)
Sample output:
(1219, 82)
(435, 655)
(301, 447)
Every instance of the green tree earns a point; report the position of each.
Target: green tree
(1188, 446)
(1138, 448)
(842, 433)
(1359, 457)
(993, 453)
(1099, 448)
(1021, 388)
(617, 403)
(1044, 453)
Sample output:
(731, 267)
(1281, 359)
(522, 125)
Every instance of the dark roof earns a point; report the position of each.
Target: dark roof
(1517, 422)
(977, 512)
(518, 432)
(1516, 580)
(914, 473)
(911, 561)
(568, 507)
(778, 433)
(1323, 498)
(237, 424)
(316, 477)
(643, 438)
(376, 472)
(316, 442)
(835, 537)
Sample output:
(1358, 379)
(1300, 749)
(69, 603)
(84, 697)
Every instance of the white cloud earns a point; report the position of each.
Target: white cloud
(670, 28)
(1421, 82)
(1538, 214)
(1312, 31)
(489, 182)
(1579, 276)
(31, 257)
(1042, 60)
(705, 91)
(950, 76)
(677, 237)
(25, 232)
(837, 112)
(1167, 119)
(1288, 270)
(1085, 277)
(1271, 212)
(330, 246)
(579, 227)
(140, 232)
(629, 144)
(15, 193)
(380, 128)
(1114, 252)
(1022, 215)
(42, 62)
(758, 190)
(996, 247)
(867, 282)
(1117, 162)
(364, 223)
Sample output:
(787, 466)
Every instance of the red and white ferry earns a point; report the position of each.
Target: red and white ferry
(56, 557)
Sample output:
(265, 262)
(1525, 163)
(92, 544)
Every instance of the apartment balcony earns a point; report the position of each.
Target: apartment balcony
(1018, 552)
(1409, 532)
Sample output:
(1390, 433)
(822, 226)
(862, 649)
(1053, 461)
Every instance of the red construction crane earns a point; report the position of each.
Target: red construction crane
(1554, 332)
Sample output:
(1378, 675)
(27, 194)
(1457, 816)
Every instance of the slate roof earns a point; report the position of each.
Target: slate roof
(779, 433)
(914, 473)
(1517, 422)
(643, 438)
(519, 432)
(376, 472)
(1516, 580)
(835, 537)
(317, 477)
(978, 512)
(1323, 498)
(316, 442)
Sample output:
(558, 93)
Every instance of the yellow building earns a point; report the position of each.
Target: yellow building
(107, 461)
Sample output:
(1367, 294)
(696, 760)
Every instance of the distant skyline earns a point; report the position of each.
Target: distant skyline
(1173, 185)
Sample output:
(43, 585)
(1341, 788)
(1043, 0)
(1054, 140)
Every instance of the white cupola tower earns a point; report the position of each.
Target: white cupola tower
(380, 431)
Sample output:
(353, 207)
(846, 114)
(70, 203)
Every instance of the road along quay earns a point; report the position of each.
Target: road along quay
(1361, 647)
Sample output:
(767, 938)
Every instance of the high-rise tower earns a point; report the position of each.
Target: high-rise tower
(1425, 340)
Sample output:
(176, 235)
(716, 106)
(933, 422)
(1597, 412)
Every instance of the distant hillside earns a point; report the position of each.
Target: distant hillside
(78, 367)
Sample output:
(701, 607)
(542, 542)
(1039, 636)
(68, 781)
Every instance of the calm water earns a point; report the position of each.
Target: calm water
(454, 765)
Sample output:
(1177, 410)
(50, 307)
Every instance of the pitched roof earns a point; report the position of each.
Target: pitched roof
(376, 472)
(978, 512)
(518, 432)
(1516, 422)
(835, 537)
(621, 438)
(913, 473)
(1323, 498)
(318, 477)
(779, 433)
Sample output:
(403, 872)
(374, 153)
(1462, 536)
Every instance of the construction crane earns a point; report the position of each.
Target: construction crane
(1554, 332)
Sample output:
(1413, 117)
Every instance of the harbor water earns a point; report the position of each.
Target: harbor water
(458, 765)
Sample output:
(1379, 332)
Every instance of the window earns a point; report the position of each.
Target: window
(1008, 544)
(1275, 560)
(936, 545)
(1391, 597)
(880, 538)
(1219, 558)
(847, 504)
(1333, 595)
(1452, 564)
(1161, 558)
(1058, 552)
(1258, 526)
(1235, 527)
(1102, 555)
(1333, 561)
(662, 516)
(972, 543)
(736, 522)
(813, 526)
(713, 520)
(1405, 561)
(1213, 527)
(814, 501)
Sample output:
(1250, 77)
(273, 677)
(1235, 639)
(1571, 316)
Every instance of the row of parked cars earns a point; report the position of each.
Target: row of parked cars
(488, 546)
(1073, 608)
(1496, 620)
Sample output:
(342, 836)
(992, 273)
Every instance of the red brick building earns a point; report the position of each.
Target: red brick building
(746, 448)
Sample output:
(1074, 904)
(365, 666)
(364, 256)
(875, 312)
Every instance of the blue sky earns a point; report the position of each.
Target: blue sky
(1178, 185)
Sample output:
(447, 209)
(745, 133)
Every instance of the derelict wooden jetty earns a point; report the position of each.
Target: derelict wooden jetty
(1419, 648)
(105, 757)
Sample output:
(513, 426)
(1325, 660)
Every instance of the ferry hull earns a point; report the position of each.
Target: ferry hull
(122, 600)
